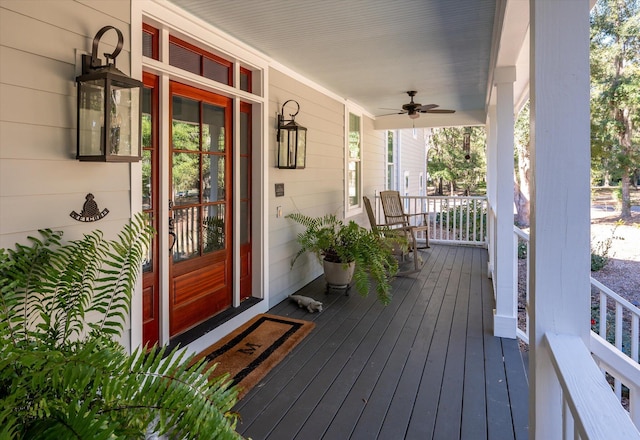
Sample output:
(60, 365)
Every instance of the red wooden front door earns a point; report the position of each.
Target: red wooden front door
(201, 184)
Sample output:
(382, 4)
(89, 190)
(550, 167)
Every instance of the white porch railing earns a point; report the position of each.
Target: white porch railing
(451, 220)
(614, 348)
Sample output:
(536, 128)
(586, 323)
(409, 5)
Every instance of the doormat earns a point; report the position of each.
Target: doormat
(249, 352)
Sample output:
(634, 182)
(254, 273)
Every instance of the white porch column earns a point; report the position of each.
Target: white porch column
(492, 175)
(560, 217)
(504, 316)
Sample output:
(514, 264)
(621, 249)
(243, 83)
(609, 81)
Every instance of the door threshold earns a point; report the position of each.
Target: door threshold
(210, 324)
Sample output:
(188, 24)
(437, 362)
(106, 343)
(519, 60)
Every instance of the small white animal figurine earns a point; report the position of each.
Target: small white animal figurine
(304, 301)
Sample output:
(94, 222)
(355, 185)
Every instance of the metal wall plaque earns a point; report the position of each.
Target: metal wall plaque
(90, 211)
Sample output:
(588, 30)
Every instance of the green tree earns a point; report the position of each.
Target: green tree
(615, 91)
(448, 160)
(522, 163)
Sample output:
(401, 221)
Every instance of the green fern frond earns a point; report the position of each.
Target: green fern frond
(331, 239)
(64, 377)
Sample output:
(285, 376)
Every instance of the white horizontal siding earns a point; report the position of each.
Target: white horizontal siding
(40, 180)
(319, 188)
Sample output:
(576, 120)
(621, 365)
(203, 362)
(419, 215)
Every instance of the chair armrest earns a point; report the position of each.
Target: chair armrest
(424, 216)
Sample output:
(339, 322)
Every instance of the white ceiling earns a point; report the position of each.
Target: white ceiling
(372, 51)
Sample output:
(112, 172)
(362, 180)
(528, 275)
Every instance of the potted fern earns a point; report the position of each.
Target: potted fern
(63, 375)
(359, 252)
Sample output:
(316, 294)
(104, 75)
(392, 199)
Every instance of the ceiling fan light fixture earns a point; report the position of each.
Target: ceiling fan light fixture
(415, 115)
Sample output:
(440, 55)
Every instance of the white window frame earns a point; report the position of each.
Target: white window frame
(391, 181)
(405, 190)
(352, 209)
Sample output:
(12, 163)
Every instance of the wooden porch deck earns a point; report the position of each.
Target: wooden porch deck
(424, 367)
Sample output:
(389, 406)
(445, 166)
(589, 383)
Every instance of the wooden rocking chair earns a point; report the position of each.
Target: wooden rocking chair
(394, 215)
(382, 228)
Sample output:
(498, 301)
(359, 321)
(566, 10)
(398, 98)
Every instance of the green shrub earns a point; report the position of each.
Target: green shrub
(459, 217)
(600, 250)
(523, 249)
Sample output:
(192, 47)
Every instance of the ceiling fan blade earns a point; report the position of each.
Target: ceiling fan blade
(397, 113)
(439, 110)
(427, 107)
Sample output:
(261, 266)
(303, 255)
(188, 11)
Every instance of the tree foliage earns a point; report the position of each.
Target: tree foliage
(615, 91)
(62, 373)
(522, 163)
(447, 158)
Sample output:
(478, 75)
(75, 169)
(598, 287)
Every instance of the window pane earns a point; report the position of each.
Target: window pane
(213, 178)
(186, 177)
(146, 180)
(244, 133)
(147, 44)
(354, 136)
(354, 187)
(147, 263)
(213, 228)
(244, 178)
(147, 139)
(354, 160)
(213, 134)
(215, 71)
(245, 83)
(184, 58)
(244, 223)
(187, 233)
(186, 124)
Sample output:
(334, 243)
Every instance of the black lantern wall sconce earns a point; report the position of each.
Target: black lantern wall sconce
(292, 140)
(109, 108)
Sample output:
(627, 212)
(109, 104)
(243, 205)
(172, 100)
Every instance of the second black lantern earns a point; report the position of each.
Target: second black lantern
(292, 140)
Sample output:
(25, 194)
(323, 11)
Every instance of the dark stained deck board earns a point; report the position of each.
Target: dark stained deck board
(448, 426)
(474, 407)
(389, 349)
(498, 404)
(323, 419)
(518, 387)
(370, 422)
(401, 408)
(430, 393)
(426, 366)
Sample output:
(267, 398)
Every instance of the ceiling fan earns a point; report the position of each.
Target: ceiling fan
(413, 109)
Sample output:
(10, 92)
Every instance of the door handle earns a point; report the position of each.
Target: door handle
(172, 226)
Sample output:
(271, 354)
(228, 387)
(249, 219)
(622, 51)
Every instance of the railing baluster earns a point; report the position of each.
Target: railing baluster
(449, 219)
(635, 321)
(603, 315)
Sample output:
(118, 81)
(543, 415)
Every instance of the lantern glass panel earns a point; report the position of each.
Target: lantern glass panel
(291, 158)
(302, 147)
(283, 149)
(124, 125)
(91, 117)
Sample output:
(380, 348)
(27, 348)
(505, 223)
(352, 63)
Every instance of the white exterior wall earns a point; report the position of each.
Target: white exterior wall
(314, 190)
(319, 188)
(41, 182)
(412, 158)
(375, 162)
